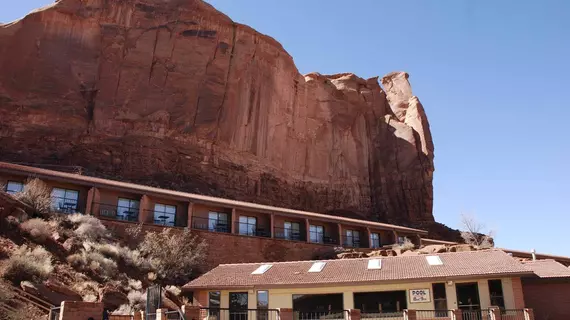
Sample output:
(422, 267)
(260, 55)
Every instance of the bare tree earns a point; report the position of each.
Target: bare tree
(474, 233)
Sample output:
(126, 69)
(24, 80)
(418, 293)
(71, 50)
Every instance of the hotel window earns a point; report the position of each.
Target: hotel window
(214, 303)
(496, 293)
(439, 299)
(218, 221)
(247, 225)
(317, 234)
(127, 209)
(374, 240)
(292, 230)
(352, 238)
(262, 305)
(64, 200)
(164, 214)
(13, 187)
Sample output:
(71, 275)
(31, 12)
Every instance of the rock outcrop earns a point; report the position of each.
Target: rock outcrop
(174, 93)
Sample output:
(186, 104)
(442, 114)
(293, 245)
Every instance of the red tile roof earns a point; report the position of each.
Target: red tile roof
(184, 196)
(352, 271)
(548, 268)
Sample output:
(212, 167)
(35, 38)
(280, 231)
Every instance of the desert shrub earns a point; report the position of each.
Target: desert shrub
(38, 229)
(94, 262)
(89, 290)
(406, 245)
(37, 195)
(28, 264)
(174, 257)
(88, 227)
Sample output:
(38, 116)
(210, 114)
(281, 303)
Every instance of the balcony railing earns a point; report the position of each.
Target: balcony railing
(117, 212)
(288, 234)
(352, 242)
(162, 218)
(251, 229)
(318, 237)
(210, 224)
(63, 205)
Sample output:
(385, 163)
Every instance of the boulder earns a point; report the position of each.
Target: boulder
(461, 248)
(63, 289)
(112, 298)
(434, 248)
(351, 255)
(43, 292)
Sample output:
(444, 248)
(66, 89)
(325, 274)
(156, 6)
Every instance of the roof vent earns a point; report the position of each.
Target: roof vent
(262, 269)
(317, 267)
(434, 261)
(374, 264)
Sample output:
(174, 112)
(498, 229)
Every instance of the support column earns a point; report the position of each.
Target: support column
(234, 220)
(272, 225)
(285, 314)
(456, 314)
(191, 312)
(93, 200)
(395, 237)
(410, 314)
(308, 230)
(368, 233)
(190, 212)
(144, 209)
(528, 314)
(495, 313)
(340, 242)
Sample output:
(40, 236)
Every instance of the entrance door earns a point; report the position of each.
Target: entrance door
(468, 300)
(238, 306)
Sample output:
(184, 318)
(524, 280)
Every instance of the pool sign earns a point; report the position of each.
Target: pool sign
(419, 295)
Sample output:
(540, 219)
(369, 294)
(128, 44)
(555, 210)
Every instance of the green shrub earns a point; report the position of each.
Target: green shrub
(33, 265)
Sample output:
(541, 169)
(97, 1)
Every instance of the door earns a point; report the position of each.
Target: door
(238, 306)
(468, 300)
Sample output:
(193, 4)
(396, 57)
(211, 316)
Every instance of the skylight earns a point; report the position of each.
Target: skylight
(434, 261)
(317, 267)
(262, 269)
(374, 264)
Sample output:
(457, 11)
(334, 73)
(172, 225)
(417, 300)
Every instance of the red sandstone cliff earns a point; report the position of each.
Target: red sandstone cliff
(176, 94)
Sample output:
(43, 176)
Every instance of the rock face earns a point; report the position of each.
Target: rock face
(174, 93)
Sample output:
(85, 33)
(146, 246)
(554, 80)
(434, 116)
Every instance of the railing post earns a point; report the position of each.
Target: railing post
(354, 314)
(191, 312)
(456, 314)
(138, 315)
(528, 314)
(285, 314)
(495, 313)
(161, 314)
(409, 314)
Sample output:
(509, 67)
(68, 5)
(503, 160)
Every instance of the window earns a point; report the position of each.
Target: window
(383, 301)
(247, 225)
(496, 293)
(262, 269)
(218, 221)
(352, 238)
(317, 267)
(292, 231)
(374, 240)
(64, 200)
(127, 209)
(317, 234)
(439, 299)
(14, 187)
(164, 214)
(374, 264)
(262, 305)
(214, 303)
(434, 260)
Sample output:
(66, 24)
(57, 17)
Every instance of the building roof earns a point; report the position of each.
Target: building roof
(455, 265)
(112, 184)
(548, 268)
(526, 254)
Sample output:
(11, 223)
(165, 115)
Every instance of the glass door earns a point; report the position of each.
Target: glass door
(238, 306)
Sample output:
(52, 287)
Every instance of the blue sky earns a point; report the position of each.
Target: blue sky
(492, 76)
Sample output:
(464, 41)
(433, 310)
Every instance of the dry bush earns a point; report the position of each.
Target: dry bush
(89, 290)
(474, 233)
(406, 245)
(38, 229)
(33, 265)
(88, 227)
(94, 262)
(37, 195)
(174, 256)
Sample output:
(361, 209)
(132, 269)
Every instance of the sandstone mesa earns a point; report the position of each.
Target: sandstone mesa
(175, 94)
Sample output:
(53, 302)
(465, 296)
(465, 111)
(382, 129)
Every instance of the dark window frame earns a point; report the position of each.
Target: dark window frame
(496, 297)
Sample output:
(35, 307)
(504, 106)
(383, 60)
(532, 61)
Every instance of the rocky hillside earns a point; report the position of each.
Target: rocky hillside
(174, 93)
